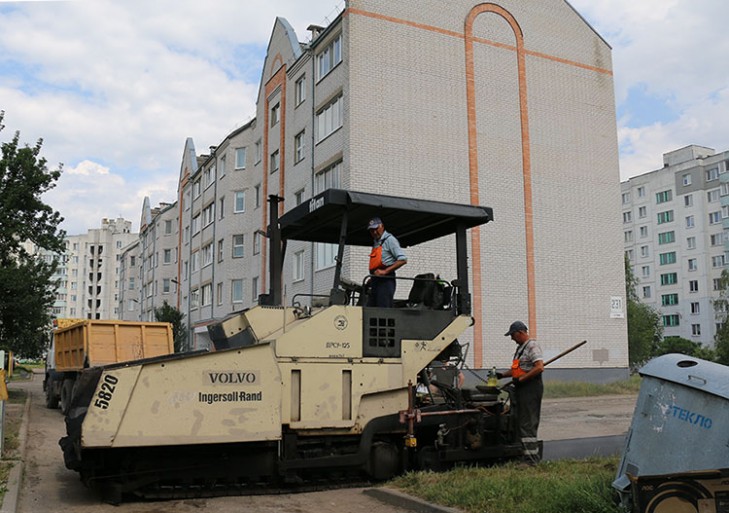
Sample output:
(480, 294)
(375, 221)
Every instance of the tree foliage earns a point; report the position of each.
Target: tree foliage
(721, 307)
(168, 313)
(644, 323)
(26, 289)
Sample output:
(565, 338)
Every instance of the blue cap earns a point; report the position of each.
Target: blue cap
(516, 326)
(374, 223)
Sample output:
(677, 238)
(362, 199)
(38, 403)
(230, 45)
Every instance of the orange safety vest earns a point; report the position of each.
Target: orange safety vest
(516, 371)
(376, 258)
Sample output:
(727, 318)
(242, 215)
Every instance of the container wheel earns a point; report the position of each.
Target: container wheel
(66, 394)
(51, 398)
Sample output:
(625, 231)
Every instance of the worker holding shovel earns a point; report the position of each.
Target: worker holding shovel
(526, 373)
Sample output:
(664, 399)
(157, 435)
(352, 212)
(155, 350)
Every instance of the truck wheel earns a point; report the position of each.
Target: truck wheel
(51, 398)
(66, 394)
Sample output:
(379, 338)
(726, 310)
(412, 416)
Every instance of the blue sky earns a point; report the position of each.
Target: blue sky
(114, 93)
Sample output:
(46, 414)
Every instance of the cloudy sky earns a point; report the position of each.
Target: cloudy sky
(115, 87)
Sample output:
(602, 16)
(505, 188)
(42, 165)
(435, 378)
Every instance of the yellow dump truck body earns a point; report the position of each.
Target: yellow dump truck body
(93, 343)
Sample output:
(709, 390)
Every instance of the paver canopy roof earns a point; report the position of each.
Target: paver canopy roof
(412, 221)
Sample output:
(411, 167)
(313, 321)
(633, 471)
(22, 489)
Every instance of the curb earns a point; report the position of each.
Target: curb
(15, 477)
(404, 501)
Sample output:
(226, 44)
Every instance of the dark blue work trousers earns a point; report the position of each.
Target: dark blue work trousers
(382, 292)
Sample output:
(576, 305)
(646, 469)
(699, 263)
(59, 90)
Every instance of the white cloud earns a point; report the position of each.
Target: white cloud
(674, 51)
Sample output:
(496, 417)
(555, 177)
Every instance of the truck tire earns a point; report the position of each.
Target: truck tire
(66, 395)
(51, 398)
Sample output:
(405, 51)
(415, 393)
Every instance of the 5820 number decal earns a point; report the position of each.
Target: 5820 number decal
(106, 391)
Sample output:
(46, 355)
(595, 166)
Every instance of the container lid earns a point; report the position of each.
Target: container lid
(709, 377)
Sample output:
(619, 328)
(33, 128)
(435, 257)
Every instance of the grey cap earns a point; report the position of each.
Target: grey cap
(516, 326)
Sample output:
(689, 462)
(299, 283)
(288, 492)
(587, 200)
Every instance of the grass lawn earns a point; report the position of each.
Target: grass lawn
(14, 408)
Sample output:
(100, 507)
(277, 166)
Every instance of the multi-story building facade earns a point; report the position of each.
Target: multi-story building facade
(675, 225)
(88, 272)
(506, 104)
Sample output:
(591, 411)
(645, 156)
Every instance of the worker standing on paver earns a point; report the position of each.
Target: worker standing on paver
(526, 374)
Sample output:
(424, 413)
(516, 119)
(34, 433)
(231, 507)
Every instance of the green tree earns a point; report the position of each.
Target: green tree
(721, 307)
(168, 313)
(26, 289)
(644, 323)
(683, 346)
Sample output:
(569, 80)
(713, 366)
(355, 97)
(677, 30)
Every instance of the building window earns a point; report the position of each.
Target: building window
(717, 239)
(626, 198)
(196, 190)
(718, 261)
(275, 114)
(257, 193)
(669, 278)
(712, 196)
(693, 285)
(628, 236)
(194, 261)
(665, 217)
(646, 292)
(724, 188)
(667, 258)
(641, 192)
(688, 200)
(712, 174)
(627, 217)
(274, 161)
(167, 256)
(299, 266)
(221, 166)
(663, 196)
(299, 197)
(299, 146)
(256, 243)
(695, 309)
(642, 212)
(208, 177)
(725, 211)
(669, 299)
(207, 294)
(329, 119)
(221, 208)
(646, 271)
(670, 320)
(690, 221)
(686, 179)
(168, 227)
(629, 254)
(692, 264)
(300, 90)
(714, 217)
(258, 151)
(238, 246)
(220, 250)
(717, 283)
(666, 237)
(325, 255)
(644, 251)
(208, 215)
(329, 57)
(254, 289)
(194, 299)
(236, 291)
(196, 224)
(696, 330)
(240, 158)
(327, 179)
(239, 202)
(207, 254)
(131, 283)
(691, 242)
(643, 232)
(219, 293)
(166, 285)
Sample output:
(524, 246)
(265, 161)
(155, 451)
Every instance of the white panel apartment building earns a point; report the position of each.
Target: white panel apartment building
(675, 223)
(89, 286)
(507, 105)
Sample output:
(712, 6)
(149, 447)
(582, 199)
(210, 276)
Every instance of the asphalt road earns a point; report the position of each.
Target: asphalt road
(48, 487)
